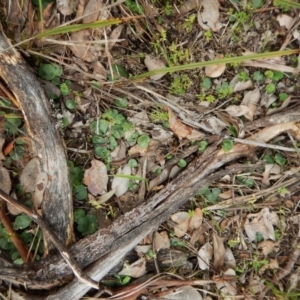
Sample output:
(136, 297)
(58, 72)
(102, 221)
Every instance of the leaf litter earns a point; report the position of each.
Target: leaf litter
(228, 243)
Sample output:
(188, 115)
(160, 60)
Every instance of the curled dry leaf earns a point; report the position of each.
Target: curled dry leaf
(208, 15)
(119, 183)
(270, 169)
(219, 252)
(135, 270)
(120, 152)
(267, 247)
(155, 64)
(214, 71)
(204, 256)
(237, 110)
(229, 260)
(238, 85)
(182, 130)
(251, 100)
(182, 220)
(274, 110)
(96, 178)
(261, 223)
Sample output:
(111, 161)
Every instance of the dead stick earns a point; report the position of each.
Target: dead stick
(59, 246)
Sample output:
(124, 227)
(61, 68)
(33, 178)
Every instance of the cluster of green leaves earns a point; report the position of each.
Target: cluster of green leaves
(87, 223)
(20, 225)
(180, 84)
(76, 177)
(210, 195)
(159, 115)
(110, 128)
(53, 72)
(277, 158)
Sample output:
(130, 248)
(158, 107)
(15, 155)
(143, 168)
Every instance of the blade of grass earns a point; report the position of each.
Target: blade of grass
(293, 4)
(226, 60)
(132, 177)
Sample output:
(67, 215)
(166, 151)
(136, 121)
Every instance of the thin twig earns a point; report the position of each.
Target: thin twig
(59, 246)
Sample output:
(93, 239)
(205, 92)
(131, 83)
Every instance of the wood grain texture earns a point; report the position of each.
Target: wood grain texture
(46, 143)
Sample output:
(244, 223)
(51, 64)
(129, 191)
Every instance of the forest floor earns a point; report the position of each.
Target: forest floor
(130, 128)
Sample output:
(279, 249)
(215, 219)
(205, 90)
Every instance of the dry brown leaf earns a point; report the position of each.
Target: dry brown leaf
(267, 247)
(140, 118)
(270, 169)
(215, 124)
(96, 178)
(161, 240)
(5, 182)
(214, 71)
(182, 220)
(227, 288)
(115, 34)
(237, 110)
(239, 85)
(82, 50)
(251, 100)
(219, 252)
(185, 292)
(196, 219)
(161, 135)
(204, 256)
(154, 64)
(29, 175)
(2, 141)
(208, 15)
(120, 152)
(135, 270)
(229, 260)
(284, 104)
(285, 21)
(119, 183)
(261, 223)
(92, 11)
(182, 130)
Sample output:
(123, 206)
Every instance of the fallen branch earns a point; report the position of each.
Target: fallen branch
(47, 231)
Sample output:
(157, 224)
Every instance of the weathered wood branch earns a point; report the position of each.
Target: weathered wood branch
(57, 205)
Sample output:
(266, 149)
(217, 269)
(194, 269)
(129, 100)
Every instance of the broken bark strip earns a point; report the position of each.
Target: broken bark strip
(46, 143)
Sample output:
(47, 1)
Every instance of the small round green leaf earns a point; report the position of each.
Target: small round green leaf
(49, 71)
(70, 104)
(80, 192)
(202, 146)
(132, 163)
(227, 145)
(21, 222)
(143, 141)
(181, 163)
